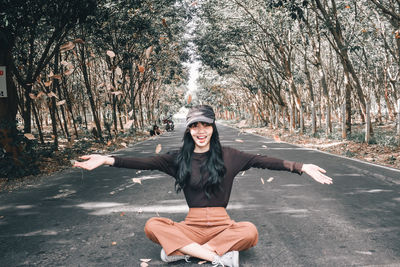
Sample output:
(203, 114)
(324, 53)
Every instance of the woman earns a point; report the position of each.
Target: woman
(204, 171)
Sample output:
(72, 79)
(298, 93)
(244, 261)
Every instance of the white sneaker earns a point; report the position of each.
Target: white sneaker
(229, 259)
(172, 258)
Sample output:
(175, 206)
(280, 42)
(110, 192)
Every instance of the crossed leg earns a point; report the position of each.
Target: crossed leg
(200, 242)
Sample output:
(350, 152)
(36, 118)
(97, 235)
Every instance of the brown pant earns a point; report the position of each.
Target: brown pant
(211, 226)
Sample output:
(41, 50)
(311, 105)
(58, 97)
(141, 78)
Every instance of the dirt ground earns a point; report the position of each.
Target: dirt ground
(384, 149)
(68, 152)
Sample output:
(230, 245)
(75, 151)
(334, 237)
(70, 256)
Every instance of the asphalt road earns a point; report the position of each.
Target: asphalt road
(81, 218)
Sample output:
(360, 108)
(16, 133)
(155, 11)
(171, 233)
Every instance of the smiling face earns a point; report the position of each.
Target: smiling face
(201, 133)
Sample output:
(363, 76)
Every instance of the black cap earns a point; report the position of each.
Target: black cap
(201, 113)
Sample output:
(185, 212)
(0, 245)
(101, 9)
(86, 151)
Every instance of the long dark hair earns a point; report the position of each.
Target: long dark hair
(214, 166)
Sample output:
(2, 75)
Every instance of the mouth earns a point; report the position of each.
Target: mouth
(202, 139)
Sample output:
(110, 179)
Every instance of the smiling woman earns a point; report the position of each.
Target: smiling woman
(201, 133)
(204, 171)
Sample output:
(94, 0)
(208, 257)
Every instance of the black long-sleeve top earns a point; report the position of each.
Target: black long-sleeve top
(235, 161)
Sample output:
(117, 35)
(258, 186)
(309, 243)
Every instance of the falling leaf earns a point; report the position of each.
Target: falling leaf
(164, 22)
(128, 124)
(62, 102)
(277, 138)
(194, 4)
(118, 71)
(243, 173)
(110, 53)
(143, 264)
(347, 6)
(56, 76)
(79, 41)
(201, 262)
(141, 69)
(69, 72)
(270, 179)
(262, 180)
(138, 172)
(32, 96)
(189, 99)
(114, 243)
(158, 148)
(148, 51)
(48, 83)
(64, 63)
(41, 93)
(29, 136)
(116, 93)
(122, 214)
(67, 46)
(397, 34)
(239, 140)
(109, 143)
(145, 260)
(52, 94)
(137, 180)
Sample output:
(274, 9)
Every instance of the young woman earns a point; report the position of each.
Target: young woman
(204, 171)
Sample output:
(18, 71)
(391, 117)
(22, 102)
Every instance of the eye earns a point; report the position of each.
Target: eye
(193, 125)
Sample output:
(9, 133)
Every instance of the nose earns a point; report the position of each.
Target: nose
(200, 127)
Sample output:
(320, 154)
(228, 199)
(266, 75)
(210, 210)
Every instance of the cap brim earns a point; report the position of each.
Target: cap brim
(199, 119)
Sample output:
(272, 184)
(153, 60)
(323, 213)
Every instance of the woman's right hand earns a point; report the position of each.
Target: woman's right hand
(93, 161)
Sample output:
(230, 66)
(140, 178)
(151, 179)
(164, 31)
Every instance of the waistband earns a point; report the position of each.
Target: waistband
(208, 216)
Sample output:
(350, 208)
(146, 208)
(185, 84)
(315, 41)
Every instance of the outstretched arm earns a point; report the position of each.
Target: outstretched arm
(316, 173)
(94, 161)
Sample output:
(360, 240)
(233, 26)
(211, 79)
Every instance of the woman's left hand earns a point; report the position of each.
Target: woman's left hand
(316, 173)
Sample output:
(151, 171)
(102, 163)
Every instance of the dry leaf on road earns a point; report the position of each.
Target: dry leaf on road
(262, 180)
(143, 264)
(137, 180)
(239, 140)
(145, 260)
(158, 148)
(270, 179)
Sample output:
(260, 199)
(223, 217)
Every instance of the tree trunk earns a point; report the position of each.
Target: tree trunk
(58, 88)
(8, 105)
(89, 91)
(52, 107)
(39, 127)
